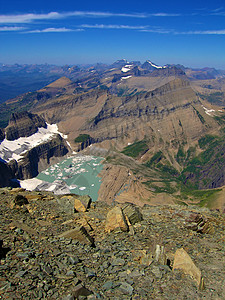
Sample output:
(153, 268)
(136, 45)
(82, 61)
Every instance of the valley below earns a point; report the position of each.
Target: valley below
(107, 172)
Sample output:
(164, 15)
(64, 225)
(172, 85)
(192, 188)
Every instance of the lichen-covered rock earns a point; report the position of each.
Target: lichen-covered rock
(82, 203)
(115, 220)
(184, 262)
(132, 212)
(80, 234)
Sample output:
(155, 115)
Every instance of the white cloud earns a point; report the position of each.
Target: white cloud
(46, 30)
(193, 32)
(164, 15)
(158, 30)
(212, 32)
(104, 14)
(11, 28)
(28, 18)
(103, 26)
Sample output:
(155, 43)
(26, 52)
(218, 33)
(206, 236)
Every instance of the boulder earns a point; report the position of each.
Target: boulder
(18, 201)
(143, 257)
(160, 255)
(80, 234)
(184, 262)
(199, 223)
(115, 220)
(82, 203)
(80, 291)
(132, 212)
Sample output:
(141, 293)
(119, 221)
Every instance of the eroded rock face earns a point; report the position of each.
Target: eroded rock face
(2, 134)
(148, 114)
(115, 220)
(6, 174)
(23, 124)
(29, 165)
(80, 234)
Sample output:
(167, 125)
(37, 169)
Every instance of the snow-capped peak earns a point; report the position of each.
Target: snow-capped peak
(153, 65)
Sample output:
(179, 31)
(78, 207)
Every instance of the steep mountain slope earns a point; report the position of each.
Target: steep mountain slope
(163, 113)
(28, 147)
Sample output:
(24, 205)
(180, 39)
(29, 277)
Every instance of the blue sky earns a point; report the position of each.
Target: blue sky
(81, 32)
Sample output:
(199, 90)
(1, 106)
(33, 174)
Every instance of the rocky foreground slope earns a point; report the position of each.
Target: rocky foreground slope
(49, 251)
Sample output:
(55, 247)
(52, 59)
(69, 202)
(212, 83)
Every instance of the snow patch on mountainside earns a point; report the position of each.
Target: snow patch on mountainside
(10, 150)
(126, 68)
(155, 66)
(208, 111)
(126, 77)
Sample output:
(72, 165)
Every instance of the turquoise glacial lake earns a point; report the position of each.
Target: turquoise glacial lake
(77, 174)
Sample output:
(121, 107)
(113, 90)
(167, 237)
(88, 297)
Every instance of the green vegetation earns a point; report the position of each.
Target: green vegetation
(136, 149)
(25, 103)
(122, 91)
(165, 188)
(205, 197)
(180, 157)
(199, 116)
(167, 169)
(220, 119)
(82, 138)
(155, 159)
(206, 140)
(103, 87)
(214, 98)
(211, 158)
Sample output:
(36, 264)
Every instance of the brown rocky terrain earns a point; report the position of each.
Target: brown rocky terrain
(48, 251)
(165, 115)
(154, 114)
(169, 113)
(22, 125)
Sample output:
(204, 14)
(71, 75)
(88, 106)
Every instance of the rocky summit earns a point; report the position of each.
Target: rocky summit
(52, 249)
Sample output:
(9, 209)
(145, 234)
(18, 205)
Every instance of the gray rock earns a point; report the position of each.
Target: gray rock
(118, 262)
(20, 274)
(107, 286)
(80, 234)
(157, 272)
(126, 288)
(132, 212)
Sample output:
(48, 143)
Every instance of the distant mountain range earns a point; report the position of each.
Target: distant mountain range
(22, 78)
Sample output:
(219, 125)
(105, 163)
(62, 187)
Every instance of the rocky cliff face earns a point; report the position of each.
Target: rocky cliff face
(23, 124)
(2, 134)
(38, 158)
(165, 113)
(25, 158)
(6, 175)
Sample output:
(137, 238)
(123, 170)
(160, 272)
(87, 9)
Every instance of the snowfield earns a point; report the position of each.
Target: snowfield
(10, 150)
